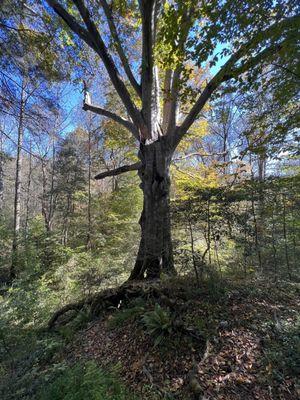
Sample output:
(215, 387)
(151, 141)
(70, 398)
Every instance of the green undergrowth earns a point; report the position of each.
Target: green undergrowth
(85, 381)
(42, 373)
(282, 350)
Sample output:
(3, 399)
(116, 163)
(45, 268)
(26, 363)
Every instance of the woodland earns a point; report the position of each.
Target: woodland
(149, 199)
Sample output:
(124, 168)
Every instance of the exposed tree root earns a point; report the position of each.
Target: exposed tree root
(69, 307)
(192, 377)
(113, 298)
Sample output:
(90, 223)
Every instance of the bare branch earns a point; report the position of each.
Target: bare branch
(120, 50)
(17, 29)
(22, 147)
(187, 173)
(197, 154)
(287, 70)
(101, 111)
(120, 170)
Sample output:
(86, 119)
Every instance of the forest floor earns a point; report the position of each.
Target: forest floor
(243, 343)
(229, 339)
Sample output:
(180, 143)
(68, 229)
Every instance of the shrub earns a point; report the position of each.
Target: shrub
(283, 353)
(216, 287)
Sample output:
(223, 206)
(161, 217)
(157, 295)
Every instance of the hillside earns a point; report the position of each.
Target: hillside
(225, 340)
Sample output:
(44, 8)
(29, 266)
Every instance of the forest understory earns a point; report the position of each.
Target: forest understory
(229, 339)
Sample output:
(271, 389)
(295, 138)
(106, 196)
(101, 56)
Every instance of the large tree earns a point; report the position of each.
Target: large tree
(237, 38)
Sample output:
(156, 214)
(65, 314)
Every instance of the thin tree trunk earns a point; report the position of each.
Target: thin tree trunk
(294, 238)
(28, 194)
(46, 203)
(285, 236)
(257, 243)
(208, 236)
(52, 200)
(155, 255)
(193, 252)
(1, 173)
(17, 201)
(217, 255)
(224, 147)
(256, 231)
(274, 243)
(89, 217)
(66, 222)
(260, 220)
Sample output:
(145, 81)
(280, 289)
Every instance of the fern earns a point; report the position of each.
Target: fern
(158, 324)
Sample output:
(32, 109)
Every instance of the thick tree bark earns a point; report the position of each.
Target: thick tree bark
(155, 255)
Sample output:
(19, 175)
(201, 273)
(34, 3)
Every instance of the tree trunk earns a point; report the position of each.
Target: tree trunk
(193, 251)
(27, 207)
(17, 201)
(287, 259)
(155, 255)
(89, 214)
(1, 174)
(53, 197)
(44, 196)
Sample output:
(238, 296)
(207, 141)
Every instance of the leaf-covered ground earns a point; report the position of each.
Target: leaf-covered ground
(244, 344)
